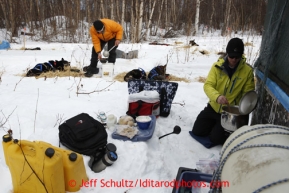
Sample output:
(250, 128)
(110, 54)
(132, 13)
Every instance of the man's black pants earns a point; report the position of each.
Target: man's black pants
(112, 53)
(208, 123)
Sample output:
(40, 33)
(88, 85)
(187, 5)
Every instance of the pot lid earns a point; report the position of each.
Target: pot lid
(248, 102)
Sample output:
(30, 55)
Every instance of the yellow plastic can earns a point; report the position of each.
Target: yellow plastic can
(34, 167)
(6, 142)
(73, 165)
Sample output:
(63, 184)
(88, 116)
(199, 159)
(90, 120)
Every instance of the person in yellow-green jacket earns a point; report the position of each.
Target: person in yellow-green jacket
(103, 31)
(228, 80)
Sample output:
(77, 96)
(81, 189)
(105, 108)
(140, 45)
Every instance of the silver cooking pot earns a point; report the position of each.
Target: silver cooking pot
(234, 117)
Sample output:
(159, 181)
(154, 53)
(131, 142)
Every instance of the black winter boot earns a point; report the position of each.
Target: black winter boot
(90, 71)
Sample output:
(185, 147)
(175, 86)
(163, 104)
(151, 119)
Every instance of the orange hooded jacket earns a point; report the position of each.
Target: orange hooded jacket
(111, 29)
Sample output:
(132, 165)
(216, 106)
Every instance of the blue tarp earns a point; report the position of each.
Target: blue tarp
(4, 45)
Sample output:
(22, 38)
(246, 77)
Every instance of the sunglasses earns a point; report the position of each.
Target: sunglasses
(234, 57)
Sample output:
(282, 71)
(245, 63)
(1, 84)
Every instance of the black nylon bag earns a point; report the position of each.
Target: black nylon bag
(83, 134)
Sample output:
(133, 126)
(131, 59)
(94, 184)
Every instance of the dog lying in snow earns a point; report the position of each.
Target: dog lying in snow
(51, 65)
(158, 73)
(135, 74)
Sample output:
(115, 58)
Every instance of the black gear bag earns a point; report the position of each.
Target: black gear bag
(83, 134)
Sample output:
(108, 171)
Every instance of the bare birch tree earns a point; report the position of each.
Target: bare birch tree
(122, 18)
(102, 9)
(117, 11)
(227, 17)
(197, 17)
(132, 14)
(111, 10)
(212, 14)
(139, 22)
(149, 21)
(159, 19)
(132, 28)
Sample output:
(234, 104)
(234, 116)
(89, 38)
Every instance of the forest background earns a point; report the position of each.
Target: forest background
(45, 20)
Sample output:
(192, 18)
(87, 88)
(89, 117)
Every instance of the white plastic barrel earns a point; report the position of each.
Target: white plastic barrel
(256, 158)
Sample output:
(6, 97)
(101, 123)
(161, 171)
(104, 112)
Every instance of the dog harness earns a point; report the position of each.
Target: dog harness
(143, 73)
(153, 73)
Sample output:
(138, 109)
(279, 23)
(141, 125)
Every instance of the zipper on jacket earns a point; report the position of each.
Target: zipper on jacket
(234, 81)
(103, 36)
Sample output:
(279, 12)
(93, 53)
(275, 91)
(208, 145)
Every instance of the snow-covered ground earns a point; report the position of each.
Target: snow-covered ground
(33, 107)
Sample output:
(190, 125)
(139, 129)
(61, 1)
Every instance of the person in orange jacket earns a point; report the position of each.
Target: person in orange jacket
(103, 31)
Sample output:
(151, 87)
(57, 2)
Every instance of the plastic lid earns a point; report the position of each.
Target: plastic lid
(6, 138)
(248, 102)
(72, 156)
(49, 152)
(110, 147)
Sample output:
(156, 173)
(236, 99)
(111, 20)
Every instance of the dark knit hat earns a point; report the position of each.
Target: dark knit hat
(98, 25)
(235, 47)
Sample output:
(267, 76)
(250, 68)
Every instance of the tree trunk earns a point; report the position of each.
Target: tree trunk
(160, 15)
(102, 9)
(212, 15)
(111, 9)
(132, 27)
(259, 16)
(196, 30)
(173, 12)
(11, 18)
(122, 19)
(227, 18)
(117, 11)
(87, 11)
(5, 14)
(140, 21)
(166, 16)
(150, 20)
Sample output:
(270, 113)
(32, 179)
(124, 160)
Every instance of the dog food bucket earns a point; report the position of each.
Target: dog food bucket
(107, 71)
(234, 117)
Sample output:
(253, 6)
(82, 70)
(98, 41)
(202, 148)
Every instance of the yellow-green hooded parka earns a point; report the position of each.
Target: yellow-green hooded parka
(218, 83)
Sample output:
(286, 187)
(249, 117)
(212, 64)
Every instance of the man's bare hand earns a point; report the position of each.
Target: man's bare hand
(222, 100)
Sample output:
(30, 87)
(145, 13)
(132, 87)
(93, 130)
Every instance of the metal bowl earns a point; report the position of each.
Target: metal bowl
(232, 119)
(248, 102)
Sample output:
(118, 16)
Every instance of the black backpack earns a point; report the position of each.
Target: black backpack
(83, 134)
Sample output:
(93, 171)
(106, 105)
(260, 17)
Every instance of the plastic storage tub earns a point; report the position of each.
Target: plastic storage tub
(190, 178)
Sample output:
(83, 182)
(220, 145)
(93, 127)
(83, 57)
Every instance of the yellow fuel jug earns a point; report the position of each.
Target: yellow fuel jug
(73, 165)
(35, 167)
(6, 142)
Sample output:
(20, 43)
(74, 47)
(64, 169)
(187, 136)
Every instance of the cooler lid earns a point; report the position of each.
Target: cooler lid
(248, 102)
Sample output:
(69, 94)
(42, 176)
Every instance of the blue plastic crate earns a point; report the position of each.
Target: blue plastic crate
(188, 179)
